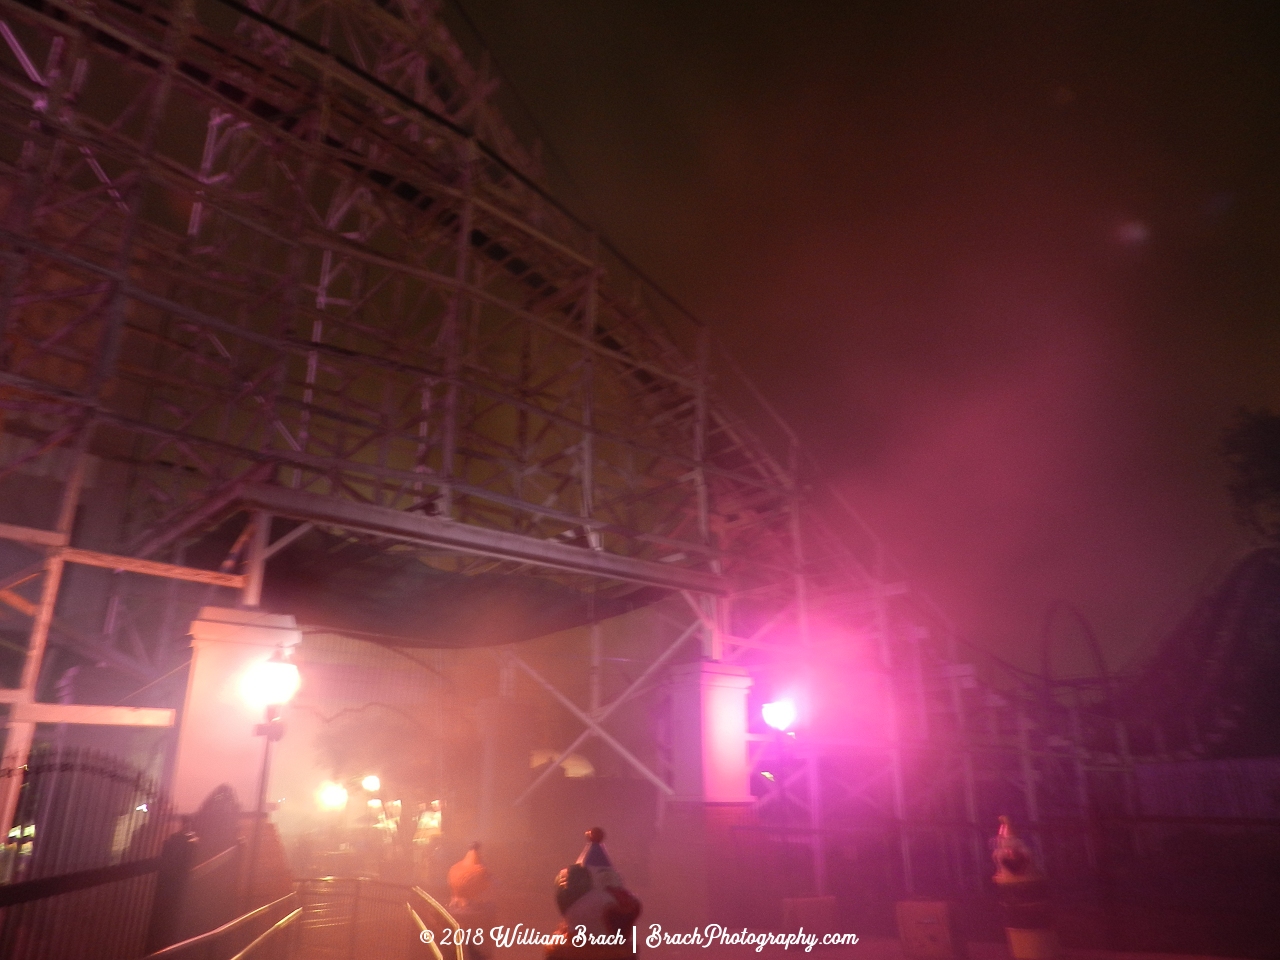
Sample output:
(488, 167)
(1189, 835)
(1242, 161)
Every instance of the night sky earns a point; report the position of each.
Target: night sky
(1009, 268)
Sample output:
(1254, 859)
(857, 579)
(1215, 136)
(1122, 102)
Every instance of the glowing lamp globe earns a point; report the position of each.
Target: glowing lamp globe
(270, 683)
(371, 783)
(780, 714)
(331, 796)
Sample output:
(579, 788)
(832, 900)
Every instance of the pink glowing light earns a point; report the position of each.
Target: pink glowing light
(780, 714)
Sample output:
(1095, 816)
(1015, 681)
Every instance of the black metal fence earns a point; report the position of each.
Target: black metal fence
(81, 859)
(99, 868)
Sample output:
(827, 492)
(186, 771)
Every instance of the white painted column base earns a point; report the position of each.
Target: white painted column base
(709, 733)
(216, 739)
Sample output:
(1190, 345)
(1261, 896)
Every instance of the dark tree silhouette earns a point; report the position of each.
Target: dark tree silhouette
(1251, 447)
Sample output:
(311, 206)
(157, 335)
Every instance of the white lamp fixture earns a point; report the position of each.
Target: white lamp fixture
(780, 714)
(331, 796)
(267, 686)
(271, 682)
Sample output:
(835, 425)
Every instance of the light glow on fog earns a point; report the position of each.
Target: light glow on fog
(270, 682)
(332, 796)
(780, 714)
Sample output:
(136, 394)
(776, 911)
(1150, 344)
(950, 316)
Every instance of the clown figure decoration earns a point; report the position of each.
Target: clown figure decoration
(598, 910)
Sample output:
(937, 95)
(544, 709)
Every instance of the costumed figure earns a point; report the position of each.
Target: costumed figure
(469, 903)
(1023, 893)
(598, 909)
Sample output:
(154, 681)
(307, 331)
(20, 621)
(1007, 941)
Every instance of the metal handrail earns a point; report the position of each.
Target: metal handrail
(24, 891)
(444, 914)
(423, 928)
(268, 933)
(178, 949)
(294, 903)
(217, 861)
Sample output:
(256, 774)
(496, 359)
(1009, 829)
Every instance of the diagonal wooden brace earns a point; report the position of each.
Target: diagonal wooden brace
(592, 725)
(604, 712)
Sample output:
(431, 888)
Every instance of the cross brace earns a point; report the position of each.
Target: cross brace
(599, 716)
(593, 726)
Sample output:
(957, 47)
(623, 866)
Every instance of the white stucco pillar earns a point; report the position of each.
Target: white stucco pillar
(216, 741)
(709, 733)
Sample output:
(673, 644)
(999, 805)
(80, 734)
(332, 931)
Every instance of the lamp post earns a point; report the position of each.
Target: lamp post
(267, 685)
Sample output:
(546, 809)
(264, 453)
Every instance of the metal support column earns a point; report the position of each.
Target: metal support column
(256, 562)
(1027, 764)
(813, 759)
(966, 768)
(449, 334)
(586, 450)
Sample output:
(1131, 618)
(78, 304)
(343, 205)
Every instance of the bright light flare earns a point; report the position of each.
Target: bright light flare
(371, 783)
(332, 796)
(780, 714)
(270, 683)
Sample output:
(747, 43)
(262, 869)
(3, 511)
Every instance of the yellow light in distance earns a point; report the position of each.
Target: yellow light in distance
(332, 796)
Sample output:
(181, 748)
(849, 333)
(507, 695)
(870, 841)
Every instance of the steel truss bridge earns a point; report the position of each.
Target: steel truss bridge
(284, 260)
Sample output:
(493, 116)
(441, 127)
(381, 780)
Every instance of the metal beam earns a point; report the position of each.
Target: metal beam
(295, 534)
(386, 522)
(71, 640)
(255, 566)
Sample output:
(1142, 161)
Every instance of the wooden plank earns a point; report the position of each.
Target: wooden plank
(110, 561)
(18, 602)
(37, 538)
(91, 714)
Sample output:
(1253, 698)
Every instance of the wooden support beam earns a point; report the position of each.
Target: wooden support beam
(32, 536)
(91, 714)
(592, 725)
(111, 561)
(600, 714)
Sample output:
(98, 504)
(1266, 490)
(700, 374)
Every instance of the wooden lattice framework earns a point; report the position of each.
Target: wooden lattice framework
(285, 257)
